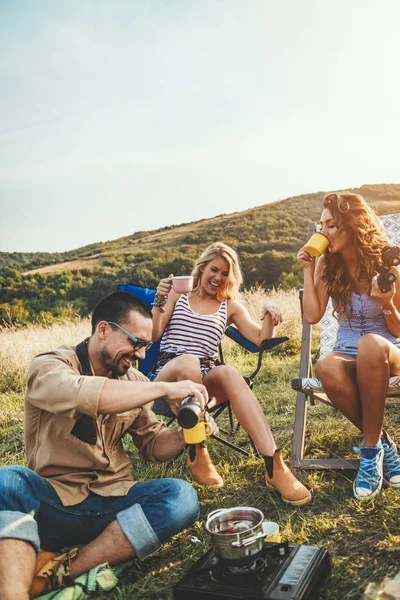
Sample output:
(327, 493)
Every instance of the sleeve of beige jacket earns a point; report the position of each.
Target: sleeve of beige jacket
(55, 384)
(144, 431)
(154, 441)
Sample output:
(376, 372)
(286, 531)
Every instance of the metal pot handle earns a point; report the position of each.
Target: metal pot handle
(214, 512)
(248, 541)
(251, 539)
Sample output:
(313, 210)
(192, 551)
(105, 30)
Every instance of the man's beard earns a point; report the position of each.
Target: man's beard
(117, 367)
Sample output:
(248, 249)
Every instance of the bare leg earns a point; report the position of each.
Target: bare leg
(338, 375)
(17, 567)
(186, 366)
(110, 546)
(18, 560)
(226, 383)
(377, 359)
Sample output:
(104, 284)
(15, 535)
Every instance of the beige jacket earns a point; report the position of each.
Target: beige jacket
(57, 395)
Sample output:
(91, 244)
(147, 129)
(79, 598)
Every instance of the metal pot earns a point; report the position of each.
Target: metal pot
(237, 533)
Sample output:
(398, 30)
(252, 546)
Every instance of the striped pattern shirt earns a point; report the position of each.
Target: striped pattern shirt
(190, 333)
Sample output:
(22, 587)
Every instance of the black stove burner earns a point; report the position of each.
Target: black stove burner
(281, 572)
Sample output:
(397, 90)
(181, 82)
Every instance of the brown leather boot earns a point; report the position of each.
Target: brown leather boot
(203, 471)
(51, 572)
(280, 478)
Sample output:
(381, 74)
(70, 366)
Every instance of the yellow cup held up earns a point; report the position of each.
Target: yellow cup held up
(198, 433)
(271, 532)
(316, 244)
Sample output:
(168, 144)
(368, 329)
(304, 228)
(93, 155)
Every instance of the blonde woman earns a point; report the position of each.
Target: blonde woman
(355, 375)
(192, 326)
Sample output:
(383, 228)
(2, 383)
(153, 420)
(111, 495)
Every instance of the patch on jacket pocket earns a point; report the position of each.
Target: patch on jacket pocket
(85, 430)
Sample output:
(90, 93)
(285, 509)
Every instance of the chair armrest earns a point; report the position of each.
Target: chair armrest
(270, 343)
(234, 334)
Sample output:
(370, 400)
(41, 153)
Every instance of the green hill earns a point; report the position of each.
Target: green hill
(48, 285)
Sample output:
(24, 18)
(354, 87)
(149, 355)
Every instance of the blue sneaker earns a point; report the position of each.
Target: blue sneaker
(391, 462)
(368, 482)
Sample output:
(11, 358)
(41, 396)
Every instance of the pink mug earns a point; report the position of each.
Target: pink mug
(182, 284)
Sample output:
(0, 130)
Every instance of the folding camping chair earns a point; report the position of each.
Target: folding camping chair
(161, 408)
(309, 387)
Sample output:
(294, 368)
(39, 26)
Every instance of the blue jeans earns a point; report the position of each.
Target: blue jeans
(149, 515)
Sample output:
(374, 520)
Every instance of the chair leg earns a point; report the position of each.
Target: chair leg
(231, 422)
(216, 411)
(230, 445)
(234, 429)
(299, 430)
(256, 451)
(297, 460)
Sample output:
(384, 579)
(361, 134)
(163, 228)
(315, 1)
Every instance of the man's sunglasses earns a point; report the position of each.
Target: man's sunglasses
(136, 342)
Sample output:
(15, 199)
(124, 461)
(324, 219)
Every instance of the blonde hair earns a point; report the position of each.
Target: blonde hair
(234, 280)
(354, 216)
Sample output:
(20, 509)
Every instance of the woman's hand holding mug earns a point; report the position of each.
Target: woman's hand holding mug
(164, 287)
(305, 259)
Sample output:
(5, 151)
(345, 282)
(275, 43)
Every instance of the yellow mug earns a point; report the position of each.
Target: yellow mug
(316, 244)
(198, 433)
(271, 532)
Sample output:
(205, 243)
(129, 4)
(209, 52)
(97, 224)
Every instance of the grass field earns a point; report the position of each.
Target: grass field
(363, 538)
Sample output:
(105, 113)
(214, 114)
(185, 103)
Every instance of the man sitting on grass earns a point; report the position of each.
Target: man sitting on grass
(78, 489)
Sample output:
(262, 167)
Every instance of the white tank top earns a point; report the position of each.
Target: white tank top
(190, 333)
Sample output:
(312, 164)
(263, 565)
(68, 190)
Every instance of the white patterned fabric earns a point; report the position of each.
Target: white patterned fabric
(328, 330)
(391, 225)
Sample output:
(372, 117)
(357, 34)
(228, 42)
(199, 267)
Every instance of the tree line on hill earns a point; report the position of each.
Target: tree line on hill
(267, 239)
(52, 296)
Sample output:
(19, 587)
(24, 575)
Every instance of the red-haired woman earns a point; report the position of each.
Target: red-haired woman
(355, 375)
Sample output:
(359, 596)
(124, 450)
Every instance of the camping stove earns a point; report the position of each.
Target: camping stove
(280, 572)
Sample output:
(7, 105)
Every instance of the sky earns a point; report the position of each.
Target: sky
(120, 116)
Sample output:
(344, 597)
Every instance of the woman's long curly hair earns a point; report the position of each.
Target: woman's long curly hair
(230, 291)
(355, 217)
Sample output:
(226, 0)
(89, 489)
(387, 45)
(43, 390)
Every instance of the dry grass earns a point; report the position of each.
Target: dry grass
(70, 265)
(19, 345)
(288, 302)
(17, 348)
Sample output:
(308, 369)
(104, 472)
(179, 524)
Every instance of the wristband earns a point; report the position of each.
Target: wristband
(158, 303)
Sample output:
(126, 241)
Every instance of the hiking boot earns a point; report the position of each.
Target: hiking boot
(51, 572)
(391, 462)
(203, 471)
(279, 477)
(368, 482)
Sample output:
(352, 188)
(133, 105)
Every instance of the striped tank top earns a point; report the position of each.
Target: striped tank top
(190, 333)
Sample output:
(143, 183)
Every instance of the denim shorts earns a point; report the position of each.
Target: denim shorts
(149, 515)
(206, 364)
(346, 349)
